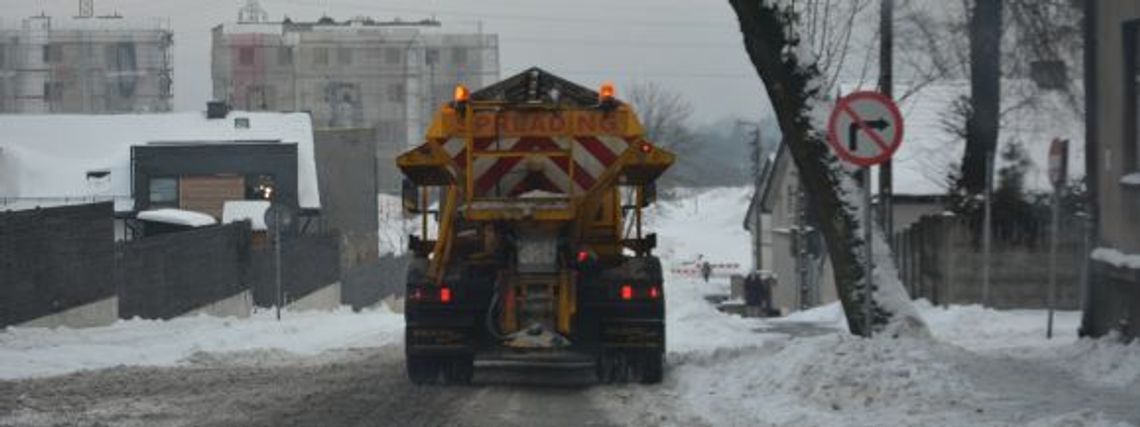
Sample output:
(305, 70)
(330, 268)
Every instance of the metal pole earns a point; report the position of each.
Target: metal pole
(801, 251)
(1053, 259)
(277, 255)
(987, 230)
(886, 86)
(869, 264)
(1086, 232)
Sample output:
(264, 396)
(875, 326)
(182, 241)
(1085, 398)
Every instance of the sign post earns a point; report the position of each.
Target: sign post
(1058, 171)
(865, 129)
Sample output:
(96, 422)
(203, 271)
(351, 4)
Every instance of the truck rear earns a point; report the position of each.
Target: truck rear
(537, 253)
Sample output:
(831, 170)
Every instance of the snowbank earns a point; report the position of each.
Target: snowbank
(1102, 362)
(1116, 258)
(829, 380)
(35, 352)
(252, 210)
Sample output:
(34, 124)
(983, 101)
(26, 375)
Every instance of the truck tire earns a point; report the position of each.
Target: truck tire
(422, 370)
(652, 368)
(459, 370)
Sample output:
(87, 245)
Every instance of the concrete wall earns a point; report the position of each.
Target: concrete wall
(940, 258)
(1118, 205)
(365, 285)
(325, 298)
(1114, 291)
(347, 176)
(99, 313)
(240, 306)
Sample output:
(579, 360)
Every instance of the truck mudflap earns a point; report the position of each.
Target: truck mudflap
(644, 334)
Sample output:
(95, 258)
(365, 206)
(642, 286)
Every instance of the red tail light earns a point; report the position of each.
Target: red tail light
(626, 292)
(583, 256)
(445, 295)
(654, 293)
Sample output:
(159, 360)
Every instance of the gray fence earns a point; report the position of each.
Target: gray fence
(308, 263)
(166, 275)
(940, 258)
(55, 259)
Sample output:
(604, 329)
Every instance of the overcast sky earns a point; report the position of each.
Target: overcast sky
(690, 45)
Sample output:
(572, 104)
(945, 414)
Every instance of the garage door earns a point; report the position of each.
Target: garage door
(207, 194)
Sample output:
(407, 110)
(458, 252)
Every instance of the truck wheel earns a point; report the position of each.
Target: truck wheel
(652, 367)
(422, 370)
(604, 368)
(459, 370)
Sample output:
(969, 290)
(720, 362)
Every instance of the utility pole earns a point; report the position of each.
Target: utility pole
(756, 155)
(886, 86)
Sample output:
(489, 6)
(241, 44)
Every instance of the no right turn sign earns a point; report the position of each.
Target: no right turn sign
(866, 128)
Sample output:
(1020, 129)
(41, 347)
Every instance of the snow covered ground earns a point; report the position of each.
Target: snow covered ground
(36, 352)
(982, 366)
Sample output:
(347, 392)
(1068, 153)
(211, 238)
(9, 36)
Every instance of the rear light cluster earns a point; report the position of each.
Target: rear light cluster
(441, 294)
(629, 292)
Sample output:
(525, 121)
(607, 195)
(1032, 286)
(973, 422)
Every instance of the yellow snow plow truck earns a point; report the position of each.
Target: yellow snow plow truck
(536, 254)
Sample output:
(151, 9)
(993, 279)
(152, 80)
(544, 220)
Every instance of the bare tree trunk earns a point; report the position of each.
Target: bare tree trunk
(792, 84)
(985, 93)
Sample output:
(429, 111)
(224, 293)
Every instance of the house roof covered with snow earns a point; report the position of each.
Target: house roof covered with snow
(46, 159)
(178, 217)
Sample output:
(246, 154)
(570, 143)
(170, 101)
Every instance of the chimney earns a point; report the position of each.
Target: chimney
(217, 110)
(86, 9)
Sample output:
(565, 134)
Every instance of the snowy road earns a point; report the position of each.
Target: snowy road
(359, 387)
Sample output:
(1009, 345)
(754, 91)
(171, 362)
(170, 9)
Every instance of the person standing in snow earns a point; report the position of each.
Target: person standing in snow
(706, 271)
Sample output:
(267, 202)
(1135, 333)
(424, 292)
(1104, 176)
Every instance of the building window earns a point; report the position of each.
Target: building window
(53, 91)
(245, 56)
(284, 56)
(241, 123)
(344, 56)
(396, 92)
(391, 132)
(459, 56)
(164, 192)
(392, 56)
(431, 56)
(3, 55)
(46, 53)
(321, 56)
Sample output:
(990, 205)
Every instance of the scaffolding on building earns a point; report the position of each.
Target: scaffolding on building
(91, 65)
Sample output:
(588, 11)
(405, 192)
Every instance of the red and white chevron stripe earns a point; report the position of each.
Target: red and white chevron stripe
(497, 172)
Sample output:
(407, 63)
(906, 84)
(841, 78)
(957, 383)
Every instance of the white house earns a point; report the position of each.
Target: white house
(190, 161)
